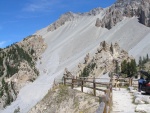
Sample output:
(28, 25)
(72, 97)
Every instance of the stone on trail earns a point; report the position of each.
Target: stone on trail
(138, 101)
(143, 108)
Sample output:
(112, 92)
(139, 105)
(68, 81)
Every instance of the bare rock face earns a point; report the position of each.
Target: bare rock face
(116, 46)
(61, 21)
(86, 59)
(19, 62)
(98, 23)
(105, 46)
(95, 11)
(112, 15)
(34, 44)
(126, 8)
(24, 75)
(144, 16)
(103, 61)
(69, 16)
(7, 93)
(107, 54)
(111, 18)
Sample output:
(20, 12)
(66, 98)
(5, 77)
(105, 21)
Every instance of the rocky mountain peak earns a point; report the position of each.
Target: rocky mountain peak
(70, 16)
(95, 11)
(126, 8)
(126, 1)
(67, 16)
(61, 21)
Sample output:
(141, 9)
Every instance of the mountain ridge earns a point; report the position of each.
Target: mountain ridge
(70, 16)
(69, 40)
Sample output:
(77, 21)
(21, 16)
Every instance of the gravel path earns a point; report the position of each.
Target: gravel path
(122, 101)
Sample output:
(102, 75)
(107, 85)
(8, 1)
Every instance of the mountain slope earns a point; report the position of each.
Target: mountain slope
(68, 42)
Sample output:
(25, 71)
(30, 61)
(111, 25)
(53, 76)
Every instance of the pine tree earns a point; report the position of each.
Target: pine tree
(147, 58)
(117, 67)
(140, 60)
(124, 67)
(128, 69)
(111, 49)
(140, 63)
(133, 69)
(104, 44)
(144, 60)
(3, 82)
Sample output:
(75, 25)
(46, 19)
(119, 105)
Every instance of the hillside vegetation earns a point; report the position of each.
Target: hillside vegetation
(62, 99)
(17, 66)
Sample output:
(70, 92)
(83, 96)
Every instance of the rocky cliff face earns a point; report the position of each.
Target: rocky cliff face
(106, 59)
(113, 14)
(70, 17)
(34, 44)
(126, 8)
(17, 67)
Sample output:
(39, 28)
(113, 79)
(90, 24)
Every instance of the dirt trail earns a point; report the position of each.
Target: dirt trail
(122, 101)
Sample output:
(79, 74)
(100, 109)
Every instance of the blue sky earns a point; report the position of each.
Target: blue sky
(20, 18)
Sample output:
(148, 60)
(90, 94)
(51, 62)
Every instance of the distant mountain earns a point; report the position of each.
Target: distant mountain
(67, 41)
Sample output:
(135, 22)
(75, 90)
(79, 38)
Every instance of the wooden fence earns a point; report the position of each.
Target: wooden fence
(126, 82)
(105, 101)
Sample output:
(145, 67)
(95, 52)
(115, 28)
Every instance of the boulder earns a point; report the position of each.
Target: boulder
(146, 99)
(98, 22)
(87, 58)
(138, 101)
(131, 88)
(136, 94)
(143, 108)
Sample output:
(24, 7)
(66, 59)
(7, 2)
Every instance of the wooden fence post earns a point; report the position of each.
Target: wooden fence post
(110, 93)
(102, 108)
(72, 85)
(130, 81)
(64, 81)
(107, 102)
(81, 85)
(94, 86)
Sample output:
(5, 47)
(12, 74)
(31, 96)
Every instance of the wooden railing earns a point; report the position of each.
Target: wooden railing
(105, 101)
(127, 81)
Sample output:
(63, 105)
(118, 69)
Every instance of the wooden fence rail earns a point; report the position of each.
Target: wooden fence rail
(106, 100)
(127, 81)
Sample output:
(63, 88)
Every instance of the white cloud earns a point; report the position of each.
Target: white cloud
(40, 5)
